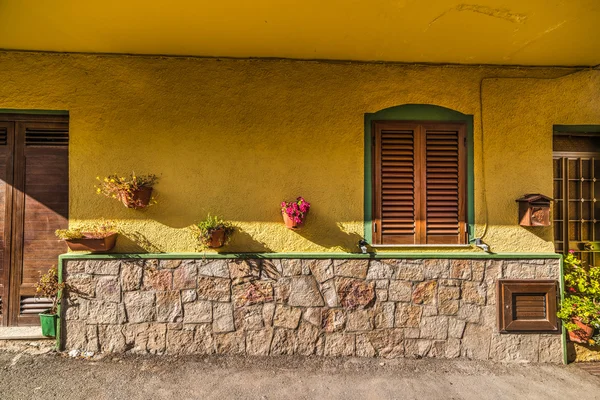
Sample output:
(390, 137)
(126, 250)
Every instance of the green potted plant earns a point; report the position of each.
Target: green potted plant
(49, 287)
(580, 308)
(134, 191)
(95, 238)
(294, 212)
(213, 232)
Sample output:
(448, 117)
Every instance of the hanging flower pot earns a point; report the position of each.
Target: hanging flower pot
(134, 191)
(294, 212)
(213, 232)
(581, 335)
(97, 238)
(138, 198)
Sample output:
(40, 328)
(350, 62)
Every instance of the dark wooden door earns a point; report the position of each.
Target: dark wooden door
(35, 201)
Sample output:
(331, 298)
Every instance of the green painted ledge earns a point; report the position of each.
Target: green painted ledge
(411, 255)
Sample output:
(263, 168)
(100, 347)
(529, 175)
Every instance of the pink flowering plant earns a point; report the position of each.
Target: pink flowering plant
(296, 210)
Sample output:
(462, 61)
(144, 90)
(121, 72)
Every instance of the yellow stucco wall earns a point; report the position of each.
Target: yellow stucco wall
(236, 137)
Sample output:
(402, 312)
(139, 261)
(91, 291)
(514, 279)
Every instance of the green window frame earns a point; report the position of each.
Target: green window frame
(416, 112)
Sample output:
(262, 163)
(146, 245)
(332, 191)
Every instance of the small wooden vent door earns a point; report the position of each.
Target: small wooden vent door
(36, 192)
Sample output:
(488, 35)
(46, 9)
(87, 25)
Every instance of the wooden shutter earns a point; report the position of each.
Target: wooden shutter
(419, 173)
(395, 188)
(443, 205)
(6, 146)
(527, 305)
(41, 207)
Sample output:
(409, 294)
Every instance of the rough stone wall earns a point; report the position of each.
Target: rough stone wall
(357, 307)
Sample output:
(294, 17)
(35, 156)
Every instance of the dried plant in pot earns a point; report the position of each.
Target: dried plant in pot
(134, 191)
(95, 238)
(294, 212)
(213, 232)
(49, 287)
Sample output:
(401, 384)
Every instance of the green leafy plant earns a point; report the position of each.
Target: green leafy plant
(49, 287)
(126, 188)
(582, 307)
(578, 279)
(97, 230)
(204, 230)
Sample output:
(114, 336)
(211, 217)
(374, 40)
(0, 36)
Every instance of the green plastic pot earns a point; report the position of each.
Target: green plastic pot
(48, 322)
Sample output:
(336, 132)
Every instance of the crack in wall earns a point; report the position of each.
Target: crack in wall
(501, 13)
(535, 39)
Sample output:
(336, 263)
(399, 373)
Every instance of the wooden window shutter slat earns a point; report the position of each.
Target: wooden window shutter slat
(444, 183)
(394, 184)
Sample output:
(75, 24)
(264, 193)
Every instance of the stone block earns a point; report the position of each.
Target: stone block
(452, 348)
(436, 268)
(291, 267)
(101, 312)
(400, 291)
(460, 269)
(203, 340)
(333, 319)
(180, 341)
(271, 269)
(111, 339)
(329, 292)
(286, 317)
(448, 307)
(172, 264)
(411, 272)
(216, 268)
(258, 343)
(477, 270)
(434, 327)
(469, 312)
(339, 345)
(75, 333)
(380, 270)
(387, 343)
(384, 315)
(355, 293)
(448, 293)
(108, 289)
(239, 269)
(364, 348)
(306, 339)
(82, 285)
(429, 311)
(282, 288)
(139, 306)
(321, 269)
(359, 320)
(74, 266)
(408, 316)
(158, 279)
(249, 318)
(550, 349)
(197, 312)
(351, 268)
(214, 289)
(253, 292)
(523, 348)
(92, 344)
(103, 267)
(304, 292)
(474, 293)
(268, 312)
(518, 270)
(313, 316)
(232, 343)
(284, 342)
(188, 296)
(168, 306)
(417, 348)
(425, 292)
(456, 328)
(185, 276)
(412, 333)
(475, 343)
(131, 275)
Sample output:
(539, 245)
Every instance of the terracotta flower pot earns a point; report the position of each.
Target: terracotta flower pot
(92, 244)
(289, 222)
(583, 334)
(137, 199)
(217, 238)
